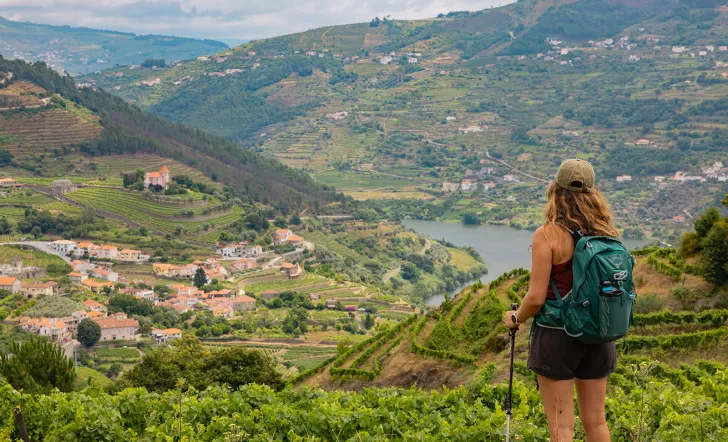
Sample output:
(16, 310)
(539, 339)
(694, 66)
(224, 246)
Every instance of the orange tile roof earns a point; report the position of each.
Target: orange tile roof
(94, 314)
(294, 238)
(92, 303)
(38, 285)
(287, 265)
(7, 180)
(7, 280)
(242, 298)
(84, 244)
(106, 323)
(281, 232)
(164, 169)
(106, 247)
(171, 331)
(130, 251)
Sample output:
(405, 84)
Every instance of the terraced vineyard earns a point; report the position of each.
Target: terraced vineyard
(467, 333)
(53, 128)
(29, 256)
(23, 93)
(115, 165)
(152, 214)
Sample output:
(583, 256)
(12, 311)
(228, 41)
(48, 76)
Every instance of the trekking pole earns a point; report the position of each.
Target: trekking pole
(509, 395)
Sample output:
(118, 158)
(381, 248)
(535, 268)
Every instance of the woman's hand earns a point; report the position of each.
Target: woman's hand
(508, 319)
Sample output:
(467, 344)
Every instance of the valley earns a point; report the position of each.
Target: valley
(317, 236)
(432, 132)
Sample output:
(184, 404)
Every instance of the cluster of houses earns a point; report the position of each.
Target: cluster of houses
(483, 178)
(87, 249)
(213, 270)
(715, 172)
(116, 326)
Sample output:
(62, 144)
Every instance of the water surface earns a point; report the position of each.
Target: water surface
(502, 248)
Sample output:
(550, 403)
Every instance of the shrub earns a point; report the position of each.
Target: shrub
(649, 303)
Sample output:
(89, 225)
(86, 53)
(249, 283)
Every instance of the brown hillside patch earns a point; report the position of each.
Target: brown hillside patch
(24, 87)
(49, 129)
(648, 280)
(477, 296)
(502, 291)
(371, 40)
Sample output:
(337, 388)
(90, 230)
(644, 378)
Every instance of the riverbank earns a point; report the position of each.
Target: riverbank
(502, 248)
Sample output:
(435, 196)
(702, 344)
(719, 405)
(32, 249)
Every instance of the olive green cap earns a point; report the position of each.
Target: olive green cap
(576, 175)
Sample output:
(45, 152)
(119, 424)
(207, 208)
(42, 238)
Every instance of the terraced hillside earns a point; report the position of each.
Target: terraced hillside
(496, 98)
(452, 345)
(47, 140)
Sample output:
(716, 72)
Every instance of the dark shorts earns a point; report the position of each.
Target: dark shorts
(558, 356)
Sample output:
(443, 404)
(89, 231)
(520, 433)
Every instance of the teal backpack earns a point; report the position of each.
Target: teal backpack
(598, 308)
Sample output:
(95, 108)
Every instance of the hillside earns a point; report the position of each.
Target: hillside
(456, 343)
(84, 50)
(670, 375)
(475, 111)
(46, 136)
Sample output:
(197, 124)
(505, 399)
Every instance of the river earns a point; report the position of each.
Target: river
(502, 248)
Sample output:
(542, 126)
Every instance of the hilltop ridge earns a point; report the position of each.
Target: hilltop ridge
(83, 50)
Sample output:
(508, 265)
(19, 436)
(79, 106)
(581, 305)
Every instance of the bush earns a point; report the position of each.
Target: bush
(649, 303)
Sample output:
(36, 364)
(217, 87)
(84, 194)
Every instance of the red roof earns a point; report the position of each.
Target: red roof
(164, 169)
(242, 298)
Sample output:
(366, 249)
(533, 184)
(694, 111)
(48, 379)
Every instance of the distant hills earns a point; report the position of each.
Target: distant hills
(410, 109)
(84, 50)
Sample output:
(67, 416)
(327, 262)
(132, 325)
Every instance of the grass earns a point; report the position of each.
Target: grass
(30, 257)
(117, 353)
(84, 374)
(288, 284)
(462, 259)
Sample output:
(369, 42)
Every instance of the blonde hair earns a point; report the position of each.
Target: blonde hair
(588, 212)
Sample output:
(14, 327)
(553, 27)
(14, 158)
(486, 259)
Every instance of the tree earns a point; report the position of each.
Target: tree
(37, 366)
(295, 219)
(713, 257)
(280, 222)
(200, 278)
(368, 321)
(410, 272)
(256, 221)
(237, 366)
(114, 370)
(36, 232)
(705, 222)
(89, 332)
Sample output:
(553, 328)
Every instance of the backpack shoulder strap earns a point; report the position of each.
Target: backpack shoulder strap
(575, 234)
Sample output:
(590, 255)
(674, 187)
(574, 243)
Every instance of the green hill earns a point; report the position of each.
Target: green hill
(485, 92)
(453, 344)
(68, 121)
(84, 50)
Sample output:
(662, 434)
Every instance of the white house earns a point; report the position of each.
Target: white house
(624, 178)
(385, 60)
(63, 246)
(10, 284)
(281, 236)
(107, 252)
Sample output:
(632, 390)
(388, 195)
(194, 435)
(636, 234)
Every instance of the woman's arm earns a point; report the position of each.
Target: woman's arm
(541, 258)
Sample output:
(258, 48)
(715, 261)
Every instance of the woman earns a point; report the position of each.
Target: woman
(561, 362)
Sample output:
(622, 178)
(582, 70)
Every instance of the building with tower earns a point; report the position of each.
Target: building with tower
(160, 178)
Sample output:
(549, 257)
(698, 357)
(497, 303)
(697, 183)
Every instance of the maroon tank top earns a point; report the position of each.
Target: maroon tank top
(563, 276)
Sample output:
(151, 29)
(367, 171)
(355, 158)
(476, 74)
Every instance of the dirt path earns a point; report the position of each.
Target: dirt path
(391, 274)
(428, 244)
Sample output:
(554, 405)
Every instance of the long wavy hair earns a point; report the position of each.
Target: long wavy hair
(588, 212)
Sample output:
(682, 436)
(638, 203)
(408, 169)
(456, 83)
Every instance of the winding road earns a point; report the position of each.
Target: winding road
(39, 245)
(541, 180)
